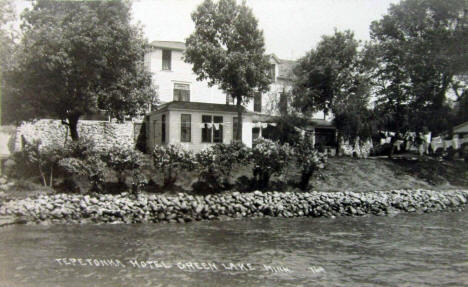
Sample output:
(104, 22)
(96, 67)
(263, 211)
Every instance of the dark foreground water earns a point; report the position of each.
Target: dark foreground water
(403, 250)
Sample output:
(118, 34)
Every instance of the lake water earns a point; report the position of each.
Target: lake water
(403, 250)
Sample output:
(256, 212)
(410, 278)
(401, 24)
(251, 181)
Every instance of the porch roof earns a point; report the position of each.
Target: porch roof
(461, 128)
(309, 123)
(198, 106)
(172, 45)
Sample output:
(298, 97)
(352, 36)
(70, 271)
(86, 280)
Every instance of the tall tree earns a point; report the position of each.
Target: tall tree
(227, 49)
(8, 35)
(78, 57)
(420, 47)
(334, 78)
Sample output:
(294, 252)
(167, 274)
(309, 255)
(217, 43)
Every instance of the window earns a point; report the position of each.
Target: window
(234, 129)
(229, 100)
(166, 60)
(258, 102)
(185, 128)
(163, 129)
(155, 128)
(283, 103)
(206, 130)
(218, 129)
(272, 72)
(212, 130)
(182, 92)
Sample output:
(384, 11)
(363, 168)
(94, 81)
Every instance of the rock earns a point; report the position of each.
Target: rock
(461, 198)
(258, 193)
(142, 208)
(7, 220)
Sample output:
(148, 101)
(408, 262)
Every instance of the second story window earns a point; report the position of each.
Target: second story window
(166, 60)
(229, 100)
(272, 72)
(182, 92)
(258, 102)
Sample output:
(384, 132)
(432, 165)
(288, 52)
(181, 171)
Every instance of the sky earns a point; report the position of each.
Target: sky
(290, 27)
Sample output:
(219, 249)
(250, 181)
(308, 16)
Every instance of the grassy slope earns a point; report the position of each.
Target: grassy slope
(340, 174)
(384, 174)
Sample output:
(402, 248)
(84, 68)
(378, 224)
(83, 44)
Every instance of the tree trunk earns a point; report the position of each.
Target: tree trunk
(73, 125)
(239, 119)
(305, 178)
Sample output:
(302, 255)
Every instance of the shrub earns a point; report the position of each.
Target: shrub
(216, 163)
(36, 158)
(269, 158)
(171, 160)
(308, 160)
(47, 161)
(81, 148)
(121, 159)
(80, 158)
(92, 167)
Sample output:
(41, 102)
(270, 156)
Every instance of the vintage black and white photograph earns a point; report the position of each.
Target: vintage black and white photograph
(233, 143)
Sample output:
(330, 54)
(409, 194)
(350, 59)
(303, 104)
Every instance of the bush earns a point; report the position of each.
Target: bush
(37, 159)
(82, 148)
(216, 163)
(308, 160)
(91, 167)
(269, 158)
(50, 162)
(121, 159)
(171, 160)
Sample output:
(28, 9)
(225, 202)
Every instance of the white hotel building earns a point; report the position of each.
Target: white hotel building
(195, 115)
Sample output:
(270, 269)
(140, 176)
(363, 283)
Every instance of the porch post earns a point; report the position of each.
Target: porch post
(313, 137)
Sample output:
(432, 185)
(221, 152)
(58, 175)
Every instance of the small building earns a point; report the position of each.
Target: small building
(196, 125)
(461, 131)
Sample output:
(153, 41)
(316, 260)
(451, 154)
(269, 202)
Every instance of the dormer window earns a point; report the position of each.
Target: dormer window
(273, 72)
(229, 100)
(166, 59)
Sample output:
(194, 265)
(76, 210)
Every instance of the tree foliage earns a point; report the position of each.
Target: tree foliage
(227, 49)
(331, 74)
(78, 57)
(420, 46)
(334, 77)
(8, 47)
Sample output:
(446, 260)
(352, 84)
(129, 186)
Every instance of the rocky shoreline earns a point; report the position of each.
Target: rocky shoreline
(125, 208)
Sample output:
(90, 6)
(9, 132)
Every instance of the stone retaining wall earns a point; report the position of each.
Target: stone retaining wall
(104, 134)
(123, 208)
